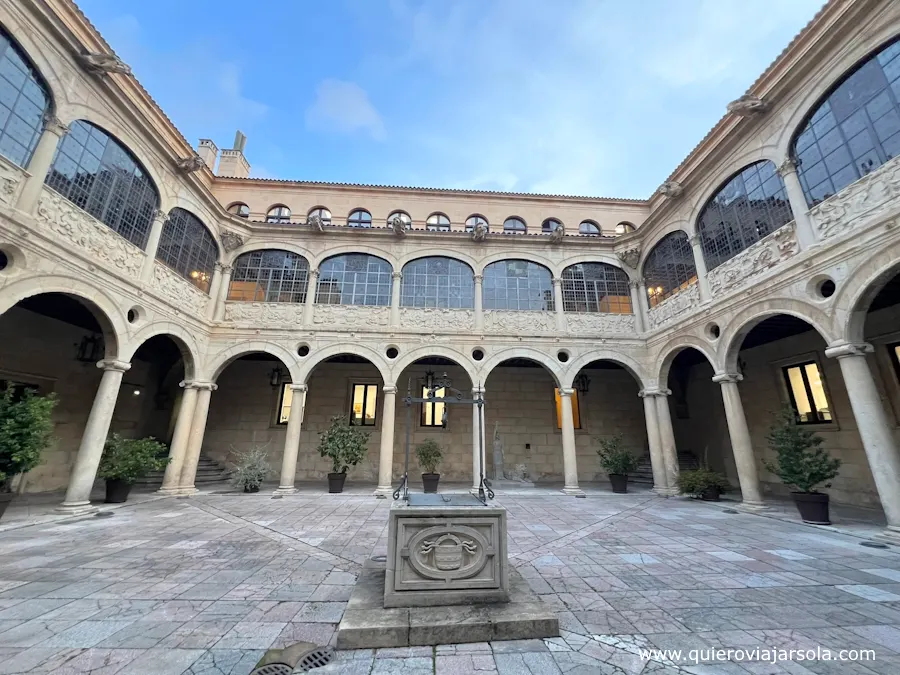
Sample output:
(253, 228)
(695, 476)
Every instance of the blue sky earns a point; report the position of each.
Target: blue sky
(580, 97)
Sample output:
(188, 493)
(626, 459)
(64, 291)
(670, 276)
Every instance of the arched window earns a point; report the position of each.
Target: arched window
(854, 129)
(24, 98)
(474, 220)
(322, 213)
(404, 218)
(596, 287)
(354, 279)
(360, 218)
(548, 226)
(98, 174)
(624, 227)
(240, 209)
(437, 282)
(747, 208)
(669, 267)
(518, 284)
(269, 276)
(278, 214)
(188, 248)
(437, 222)
(514, 226)
(589, 228)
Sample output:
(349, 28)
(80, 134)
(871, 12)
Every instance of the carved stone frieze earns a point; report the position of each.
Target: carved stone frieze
(436, 319)
(177, 291)
(350, 316)
(630, 257)
(599, 324)
(524, 322)
(231, 240)
(10, 182)
(265, 314)
(88, 234)
(761, 256)
(674, 307)
(868, 198)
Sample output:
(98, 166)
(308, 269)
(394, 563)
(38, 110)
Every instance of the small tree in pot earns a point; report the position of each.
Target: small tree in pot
(429, 454)
(250, 469)
(804, 465)
(617, 460)
(26, 428)
(127, 459)
(703, 484)
(345, 446)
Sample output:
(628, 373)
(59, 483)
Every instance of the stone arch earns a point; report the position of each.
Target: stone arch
(221, 360)
(104, 308)
(674, 347)
(290, 247)
(187, 344)
(458, 358)
(319, 356)
(628, 363)
(469, 260)
(315, 261)
(542, 358)
(517, 255)
(856, 294)
(603, 258)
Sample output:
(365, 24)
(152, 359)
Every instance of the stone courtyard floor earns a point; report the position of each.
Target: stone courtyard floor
(205, 585)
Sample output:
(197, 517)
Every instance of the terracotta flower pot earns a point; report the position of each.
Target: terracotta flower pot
(336, 482)
(813, 507)
(619, 482)
(430, 481)
(117, 491)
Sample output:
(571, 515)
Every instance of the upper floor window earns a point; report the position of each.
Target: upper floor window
(96, 173)
(752, 204)
(514, 226)
(669, 267)
(241, 209)
(188, 248)
(596, 287)
(354, 279)
(807, 393)
(437, 282)
(437, 222)
(472, 221)
(322, 214)
(360, 218)
(548, 226)
(624, 227)
(518, 284)
(404, 218)
(590, 228)
(278, 214)
(854, 130)
(24, 99)
(269, 276)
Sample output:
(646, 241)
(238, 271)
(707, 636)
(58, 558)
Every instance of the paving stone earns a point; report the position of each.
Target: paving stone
(530, 663)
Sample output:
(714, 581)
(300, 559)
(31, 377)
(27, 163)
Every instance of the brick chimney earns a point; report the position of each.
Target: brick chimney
(232, 163)
(209, 152)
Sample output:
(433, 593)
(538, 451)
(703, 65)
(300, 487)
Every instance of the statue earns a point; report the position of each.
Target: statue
(98, 63)
(557, 234)
(479, 232)
(190, 164)
(630, 257)
(671, 189)
(315, 223)
(748, 106)
(231, 240)
(498, 454)
(398, 226)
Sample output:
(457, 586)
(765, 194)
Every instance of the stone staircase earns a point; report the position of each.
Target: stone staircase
(208, 471)
(687, 461)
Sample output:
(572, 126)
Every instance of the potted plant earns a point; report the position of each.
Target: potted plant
(26, 426)
(127, 459)
(802, 464)
(250, 469)
(345, 446)
(703, 484)
(617, 460)
(429, 454)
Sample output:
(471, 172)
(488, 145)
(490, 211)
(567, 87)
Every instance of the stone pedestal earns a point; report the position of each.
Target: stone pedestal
(446, 550)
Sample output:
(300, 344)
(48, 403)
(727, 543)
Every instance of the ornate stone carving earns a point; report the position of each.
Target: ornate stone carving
(748, 106)
(479, 232)
(436, 319)
(447, 553)
(557, 235)
(761, 256)
(190, 164)
(10, 180)
(52, 124)
(671, 189)
(265, 314)
(599, 324)
(315, 223)
(674, 307)
(350, 316)
(869, 198)
(630, 257)
(177, 291)
(524, 322)
(397, 225)
(90, 235)
(98, 63)
(786, 167)
(231, 240)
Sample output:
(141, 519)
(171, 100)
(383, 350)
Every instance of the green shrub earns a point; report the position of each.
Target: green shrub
(615, 457)
(801, 462)
(26, 428)
(251, 468)
(129, 459)
(429, 454)
(343, 444)
(695, 482)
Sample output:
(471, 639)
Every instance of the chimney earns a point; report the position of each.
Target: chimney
(209, 152)
(232, 163)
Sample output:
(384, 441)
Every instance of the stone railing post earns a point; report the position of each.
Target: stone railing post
(40, 163)
(292, 440)
(700, 265)
(806, 234)
(741, 445)
(309, 305)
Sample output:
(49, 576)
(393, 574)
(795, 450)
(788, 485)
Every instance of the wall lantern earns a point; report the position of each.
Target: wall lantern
(90, 349)
(275, 377)
(582, 383)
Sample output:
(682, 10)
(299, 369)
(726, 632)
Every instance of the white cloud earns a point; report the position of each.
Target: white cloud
(344, 108)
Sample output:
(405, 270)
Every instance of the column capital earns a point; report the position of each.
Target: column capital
(114, 364)
(302, 388)
(477, 391)
(842, 350)
(54, 125)
(389, 389)
(786, 167)
(695, 239)
(396, 276)
(161, 216)
(719, 378)
(199, 385)
(224, 268)
(478, 278)
(557, 281)
(635, 283)
(566, 391)
(654, 391)
(314, 274)
(642, 282)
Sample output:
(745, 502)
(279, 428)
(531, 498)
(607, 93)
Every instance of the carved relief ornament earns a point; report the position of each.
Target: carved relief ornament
(630, 257)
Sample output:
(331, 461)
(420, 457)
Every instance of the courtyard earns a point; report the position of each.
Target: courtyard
(204, 585)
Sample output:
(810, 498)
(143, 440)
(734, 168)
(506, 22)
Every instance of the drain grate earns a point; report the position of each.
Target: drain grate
(273, 669)
(315, 659)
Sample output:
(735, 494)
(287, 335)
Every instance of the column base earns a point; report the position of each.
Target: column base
(751, 506)
(890, 535)
(75, 508)
(285, 490)
(666, 491)
(384, 492)
(573, 491)
(169, 491)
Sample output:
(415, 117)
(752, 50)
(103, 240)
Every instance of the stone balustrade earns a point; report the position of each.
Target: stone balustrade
(742, 269)
(674, 307)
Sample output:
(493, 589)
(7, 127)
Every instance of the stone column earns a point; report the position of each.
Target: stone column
(219, 292)
(292, 441)
(178, 449)
(558, 301)
(477, 436)
(700, 264)
(570, 462)
(806, 234)
(396, 277)
(386, 454)
(81, 482)
(657, 461)
(311, 286)
(741, 444)
(644, 304)
(874, 430)
(479, 303)
(159, 222)
(40, 163)
(195, 439)
(637, 307)
(667, 440)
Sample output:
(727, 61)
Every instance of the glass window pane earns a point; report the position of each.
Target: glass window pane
(371, 401)
(269, 276)
(287, 397)
(519, 285)
(188, 248)
(356, 409)
(669, 267)
(24, 99)
(798, 389)
(354, 279)
(818, 391)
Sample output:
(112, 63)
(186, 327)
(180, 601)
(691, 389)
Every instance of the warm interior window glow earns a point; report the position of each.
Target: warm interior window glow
(432, 413)
(284, 408)
(807, 392)
(362, 410)
(576, 413)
